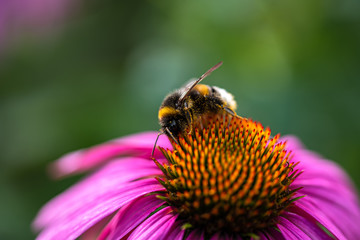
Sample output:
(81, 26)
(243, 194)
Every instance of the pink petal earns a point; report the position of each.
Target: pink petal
(94, 231)
(130, 216)
(325, 193)
(287, 234)
(156, 226)
(313, 164)
(139, 145)
(292, 142)
(176, 232)
(163, 231)
(77, 221)
(322, 196)
(77, 209)
(290, 231)
(323, 182)
(308, 226)
(317, 167)
(344, 217)
(109, 180)
(306, 209)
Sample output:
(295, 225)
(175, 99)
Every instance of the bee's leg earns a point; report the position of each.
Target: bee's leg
(226, 109)
(189, 118)
(231, 112)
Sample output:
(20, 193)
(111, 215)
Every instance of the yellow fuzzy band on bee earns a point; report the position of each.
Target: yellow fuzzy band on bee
(203, 89)
(166, 111)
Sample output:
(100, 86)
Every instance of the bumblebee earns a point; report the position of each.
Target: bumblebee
(181, 108)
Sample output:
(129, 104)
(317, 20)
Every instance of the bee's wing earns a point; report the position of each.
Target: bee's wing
(192, 84)
(189, 83)
(187, 86)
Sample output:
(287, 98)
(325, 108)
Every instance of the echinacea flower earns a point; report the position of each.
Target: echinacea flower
(229, 179)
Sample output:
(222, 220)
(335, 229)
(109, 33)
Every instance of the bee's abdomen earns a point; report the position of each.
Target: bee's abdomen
(227, 98)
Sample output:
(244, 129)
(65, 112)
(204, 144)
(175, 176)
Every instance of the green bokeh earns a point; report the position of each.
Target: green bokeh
(292, 65)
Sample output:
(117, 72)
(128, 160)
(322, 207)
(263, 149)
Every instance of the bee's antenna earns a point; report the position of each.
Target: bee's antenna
(157, 138)
(188, 89)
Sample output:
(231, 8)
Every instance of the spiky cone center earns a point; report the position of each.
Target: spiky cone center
(228, 175)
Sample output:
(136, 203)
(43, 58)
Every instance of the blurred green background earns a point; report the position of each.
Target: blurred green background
(103, 71)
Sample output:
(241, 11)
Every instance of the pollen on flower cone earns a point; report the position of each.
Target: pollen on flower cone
(228, 175)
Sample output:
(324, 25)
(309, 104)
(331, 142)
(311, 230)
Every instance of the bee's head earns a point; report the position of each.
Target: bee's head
(171, 117)
(173, 122)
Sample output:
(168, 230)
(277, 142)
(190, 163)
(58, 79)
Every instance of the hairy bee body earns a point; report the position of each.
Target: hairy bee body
(181, 108)
(177, 115)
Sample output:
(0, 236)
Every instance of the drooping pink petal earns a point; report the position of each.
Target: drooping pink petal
(139, 145)
(345, 221)
(77, 221)
(97, 196)
(315, 165)
(323, 182)
(290, 231)
(292, 142)
(156, 226)
(163, 231)
(328, 198)
(324, 187)
(94, 231)
(305, 208)
(308, 226)
(324, 195)
(130, 216)
(176, 232)
(317, 168)
(111, 178)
